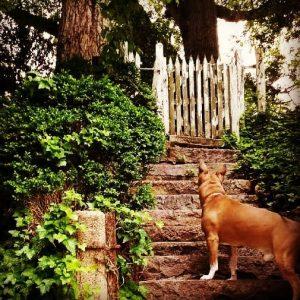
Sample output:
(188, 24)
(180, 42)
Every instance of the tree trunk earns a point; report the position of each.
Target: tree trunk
(79, 31)
(197, 21)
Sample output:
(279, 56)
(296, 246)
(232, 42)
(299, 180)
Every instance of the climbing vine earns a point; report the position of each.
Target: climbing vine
(61, 134)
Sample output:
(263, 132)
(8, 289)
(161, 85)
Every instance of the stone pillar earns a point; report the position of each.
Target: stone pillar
(100, 254)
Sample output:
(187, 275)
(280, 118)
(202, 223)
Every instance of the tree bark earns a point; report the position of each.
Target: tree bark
(197, 21)
(80, 31)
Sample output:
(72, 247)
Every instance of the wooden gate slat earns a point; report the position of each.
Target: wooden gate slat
(226, 97)
(233, 103)
(199, 97)
(220, 99)
(213, 99)
(178, 97)
(184, 71)
(192, 97)
(207, 127)
(171, 87)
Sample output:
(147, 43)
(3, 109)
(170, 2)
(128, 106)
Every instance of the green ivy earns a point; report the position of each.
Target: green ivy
(63, 131)
(87, 135)
(269, 154)
(130, 230)
(133, 291)
(42, 261)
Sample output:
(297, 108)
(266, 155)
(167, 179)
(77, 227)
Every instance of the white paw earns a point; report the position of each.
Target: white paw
(206, 277)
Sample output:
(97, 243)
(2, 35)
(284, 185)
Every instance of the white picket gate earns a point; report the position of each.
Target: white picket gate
(197, 98)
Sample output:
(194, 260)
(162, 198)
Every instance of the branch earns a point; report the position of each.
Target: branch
(278, 8)
(23, 17)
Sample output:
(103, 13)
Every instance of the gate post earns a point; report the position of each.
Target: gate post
(160, 85)
(234, 97)
(100, 255)
(237, 104)
(260, 80)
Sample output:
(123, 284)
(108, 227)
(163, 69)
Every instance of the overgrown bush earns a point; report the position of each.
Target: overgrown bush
(63, 133)
(83, 133)
(44, 262)
(269, 145)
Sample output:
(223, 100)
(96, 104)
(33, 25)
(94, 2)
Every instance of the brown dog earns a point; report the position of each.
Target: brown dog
(228, 221)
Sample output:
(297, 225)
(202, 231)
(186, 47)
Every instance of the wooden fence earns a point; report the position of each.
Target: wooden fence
(197, 98)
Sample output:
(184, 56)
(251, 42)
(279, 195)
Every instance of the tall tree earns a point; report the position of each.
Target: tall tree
(197, 19)
(80, 31)
(78, 23)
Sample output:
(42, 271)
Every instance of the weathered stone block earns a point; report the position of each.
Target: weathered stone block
(94, 235)
(167, 171)
(100, 239)
(192, 201)
(175, 233)
(96, 279)
(177, 217)
(217, 289)
(180, 187)
(194, 155)
(195, 265)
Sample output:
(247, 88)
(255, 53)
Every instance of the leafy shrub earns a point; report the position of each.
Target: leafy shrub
(133, 291)
(43, 262)
(64, 133)
(269, 145)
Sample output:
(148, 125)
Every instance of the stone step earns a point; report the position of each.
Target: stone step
(175, 187)
(195, 265)
(172, 217)
(192, 201)
(172, 289)
(189, 141)
(185, 233)
(167, 171)
(194, 155)
(199, 247)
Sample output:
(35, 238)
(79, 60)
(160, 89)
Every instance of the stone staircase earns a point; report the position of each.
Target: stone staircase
(180, 251)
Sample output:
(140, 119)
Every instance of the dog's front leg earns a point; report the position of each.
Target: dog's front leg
(212, 241)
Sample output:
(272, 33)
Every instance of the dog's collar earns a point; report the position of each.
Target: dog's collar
(214, 194)
(207, 198)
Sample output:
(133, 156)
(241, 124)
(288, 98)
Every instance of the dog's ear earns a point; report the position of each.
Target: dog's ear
(221, 172)
(203, 167)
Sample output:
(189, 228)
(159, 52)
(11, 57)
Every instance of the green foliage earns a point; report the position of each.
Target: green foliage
(129, 21)
(59, 133)
(130, 231)
(230, 140)
(269, 145)
(32, 49)
(44, 261)
(143, 197)
(63, 131)
(128, 78)
(22, 47)
(265, 29)
(132, 291)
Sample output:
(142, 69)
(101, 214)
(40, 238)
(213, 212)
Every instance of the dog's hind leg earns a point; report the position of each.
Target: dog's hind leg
(286, 263)
(212, 241)
(233, 262)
